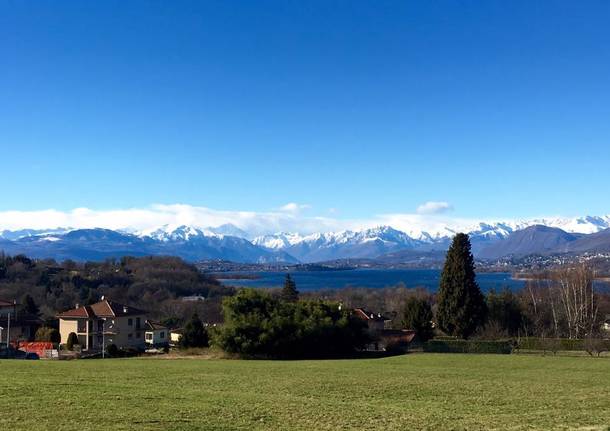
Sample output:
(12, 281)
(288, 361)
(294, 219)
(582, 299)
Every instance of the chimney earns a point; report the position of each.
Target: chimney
(77, 305)
(103, 297)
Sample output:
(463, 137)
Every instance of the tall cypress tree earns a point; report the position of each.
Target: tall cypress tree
(289, 291)
(461, 305)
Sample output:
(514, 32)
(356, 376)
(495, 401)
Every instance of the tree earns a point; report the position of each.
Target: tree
(461, 305)
(194, 333)
(575, 287)
(29, 306)
(505, 312)
(289, 291)
(44, 333)
(72, 341)
(417, 315)
(260, 325)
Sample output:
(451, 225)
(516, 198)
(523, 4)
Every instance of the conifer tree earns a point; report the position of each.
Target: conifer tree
(289, 291)
(461, 305)
(29, 306)
(194, 333)
(417, 315)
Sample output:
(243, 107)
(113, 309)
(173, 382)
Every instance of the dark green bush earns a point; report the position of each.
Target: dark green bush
(468, 346)
(551, 344)
(112, 350)
(45, 333)
(259, 325)
(72, 341)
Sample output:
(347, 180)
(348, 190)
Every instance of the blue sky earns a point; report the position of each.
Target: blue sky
(500, 109)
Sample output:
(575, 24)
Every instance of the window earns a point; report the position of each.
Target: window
(162, 334)
(137, 323)
(130, 322)
(138, 335)
(130, 336)
(149, 336)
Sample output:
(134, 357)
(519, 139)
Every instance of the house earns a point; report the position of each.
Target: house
(174, 336)
(156, 335)
(375, 321)
(22, 325)
(104, 323)
(383, 337)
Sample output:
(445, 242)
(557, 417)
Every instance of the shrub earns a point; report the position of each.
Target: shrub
(112, 350)
(72, 341)
(258, 325)
(596, 346)
(551, 344)
(468, 346)
(45, 333)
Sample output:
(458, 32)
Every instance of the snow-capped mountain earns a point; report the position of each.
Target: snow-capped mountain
(190, 243)
(337, 245)
(229, 242)
(370, 243)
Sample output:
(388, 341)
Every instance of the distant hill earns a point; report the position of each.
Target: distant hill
(536, 239)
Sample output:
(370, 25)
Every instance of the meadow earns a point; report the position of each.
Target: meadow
(416, 391)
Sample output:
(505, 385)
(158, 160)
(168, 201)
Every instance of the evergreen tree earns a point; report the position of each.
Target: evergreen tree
(29, 306)
(194, 333)
(461, 305)
(417, 316)
(289, 291)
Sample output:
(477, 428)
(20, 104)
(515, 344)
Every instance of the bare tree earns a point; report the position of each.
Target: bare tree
(574, 287)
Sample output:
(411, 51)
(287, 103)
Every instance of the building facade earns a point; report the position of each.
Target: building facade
(104, 323)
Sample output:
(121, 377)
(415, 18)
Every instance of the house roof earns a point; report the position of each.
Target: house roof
(153, 326)
(368, 315)
(104, 308)
(401, 335)
(4, 303)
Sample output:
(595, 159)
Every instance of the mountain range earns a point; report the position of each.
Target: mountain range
(383, 243)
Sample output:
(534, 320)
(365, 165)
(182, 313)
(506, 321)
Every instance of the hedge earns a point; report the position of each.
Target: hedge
(551, 344)
(468, 346)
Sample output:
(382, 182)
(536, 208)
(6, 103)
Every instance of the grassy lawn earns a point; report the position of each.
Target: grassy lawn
(418, 391)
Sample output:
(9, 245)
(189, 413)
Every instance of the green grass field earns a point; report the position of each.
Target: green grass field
(417, 391)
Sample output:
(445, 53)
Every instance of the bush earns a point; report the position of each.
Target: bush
(468, 346)
(258, 325)
(45, 333)
(72, 341)
(112, 350)
(551, 344)
(596, 346)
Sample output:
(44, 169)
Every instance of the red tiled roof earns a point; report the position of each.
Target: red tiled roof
(104, 308)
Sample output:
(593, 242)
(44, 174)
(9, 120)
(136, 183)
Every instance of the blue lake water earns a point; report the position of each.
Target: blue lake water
(371, 278)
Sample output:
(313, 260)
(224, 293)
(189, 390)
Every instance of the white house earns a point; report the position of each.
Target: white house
(155, 334)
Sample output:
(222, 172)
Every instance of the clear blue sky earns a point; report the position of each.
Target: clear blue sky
(500, 108)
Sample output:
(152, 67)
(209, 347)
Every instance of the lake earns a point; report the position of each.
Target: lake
(371, 278)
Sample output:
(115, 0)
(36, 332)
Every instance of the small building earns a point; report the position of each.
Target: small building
(156, 335)
(375, 321)
(174, 336)
(383, 337)
(22, 325)
(104, 323)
